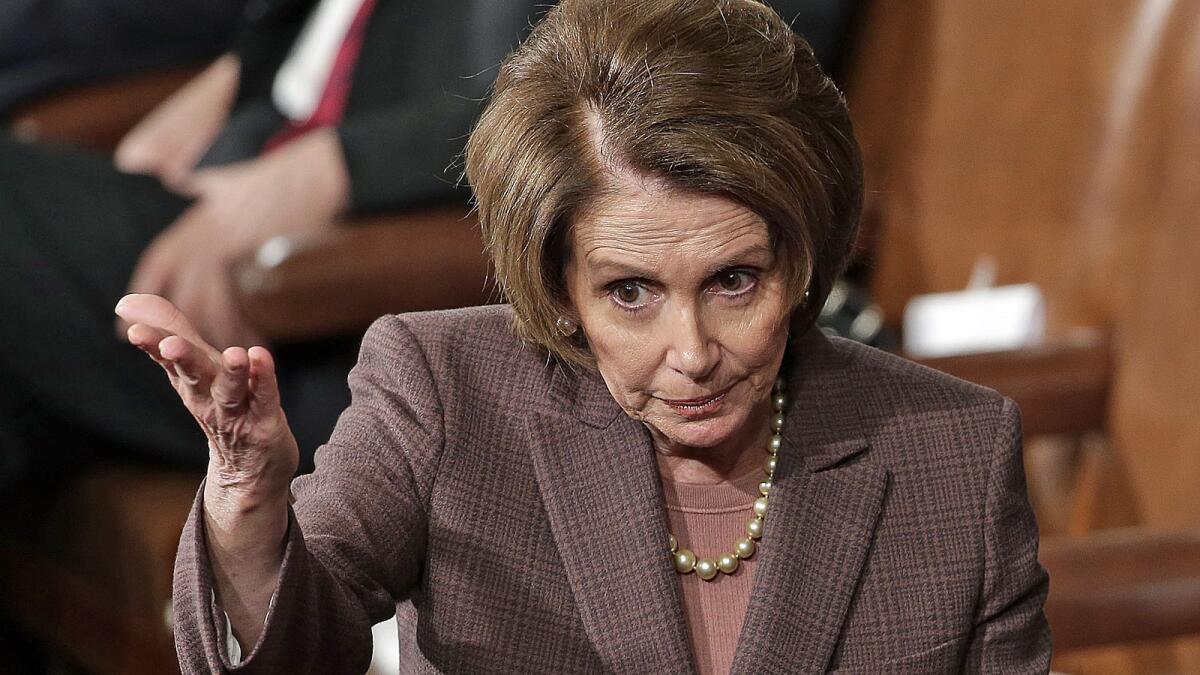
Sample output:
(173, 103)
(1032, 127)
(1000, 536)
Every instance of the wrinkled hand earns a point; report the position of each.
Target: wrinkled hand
(252, 453)
(294, 191)
(232, 394)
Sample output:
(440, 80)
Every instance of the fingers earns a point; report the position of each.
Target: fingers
(146, 338)
(191, 363)
(264, 386)
(140, 152)
(156, 268)
(192, 371)
(177, 176)
(157, 312)
(185, 183)
(195, 183)
(190, 295)
(231, 388)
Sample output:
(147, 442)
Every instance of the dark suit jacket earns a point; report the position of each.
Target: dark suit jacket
(49, 43)
(418, 84)
(516, 513)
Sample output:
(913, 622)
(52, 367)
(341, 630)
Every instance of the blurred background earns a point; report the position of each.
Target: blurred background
(1031, 225)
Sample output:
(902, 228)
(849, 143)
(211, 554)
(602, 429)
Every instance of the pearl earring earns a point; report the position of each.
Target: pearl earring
(566, 326)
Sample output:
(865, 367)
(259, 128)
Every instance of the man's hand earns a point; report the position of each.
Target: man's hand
(296, 190)
(173, 137)
(189, 265)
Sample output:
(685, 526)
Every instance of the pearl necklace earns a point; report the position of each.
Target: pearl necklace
(706, 568)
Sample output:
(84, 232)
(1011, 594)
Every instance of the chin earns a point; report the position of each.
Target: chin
(704, 433)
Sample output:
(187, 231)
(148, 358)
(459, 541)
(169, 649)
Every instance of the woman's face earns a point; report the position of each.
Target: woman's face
(684, 307)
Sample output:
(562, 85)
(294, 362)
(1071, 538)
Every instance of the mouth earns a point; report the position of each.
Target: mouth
(698, 407)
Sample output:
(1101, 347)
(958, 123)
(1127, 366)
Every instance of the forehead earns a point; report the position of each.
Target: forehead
(644, 219)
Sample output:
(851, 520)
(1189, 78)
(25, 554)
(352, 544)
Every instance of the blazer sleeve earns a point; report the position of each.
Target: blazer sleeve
(1011, 634)
(357, 528)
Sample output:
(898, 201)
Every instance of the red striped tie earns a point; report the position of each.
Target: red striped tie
(332, 104)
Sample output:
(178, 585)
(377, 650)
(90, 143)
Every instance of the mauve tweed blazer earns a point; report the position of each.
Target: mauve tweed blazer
(513, 515)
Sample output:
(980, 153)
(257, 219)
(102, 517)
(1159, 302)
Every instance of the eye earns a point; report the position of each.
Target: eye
(629, 294)
(734, 282)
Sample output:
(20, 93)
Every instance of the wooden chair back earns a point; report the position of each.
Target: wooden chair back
(1061, 139)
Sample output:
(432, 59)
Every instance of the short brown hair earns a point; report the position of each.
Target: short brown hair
(711, 96)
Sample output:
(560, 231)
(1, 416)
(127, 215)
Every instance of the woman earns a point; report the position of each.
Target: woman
(650, 461)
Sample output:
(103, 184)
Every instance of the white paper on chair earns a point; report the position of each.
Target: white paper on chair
(974, 320)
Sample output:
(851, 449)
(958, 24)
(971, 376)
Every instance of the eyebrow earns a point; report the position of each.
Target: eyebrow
(623, 269)
(631, 270)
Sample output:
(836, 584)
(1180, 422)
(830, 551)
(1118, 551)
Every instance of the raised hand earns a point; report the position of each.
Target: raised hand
(252, 453)
(232, 394)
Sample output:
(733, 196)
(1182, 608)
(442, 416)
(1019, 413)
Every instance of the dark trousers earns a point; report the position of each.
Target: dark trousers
(71, 392)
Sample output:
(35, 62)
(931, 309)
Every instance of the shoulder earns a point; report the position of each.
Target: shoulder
(485, 330)
(460, 346)
(891, 385)
(925, 425)
(448, 324)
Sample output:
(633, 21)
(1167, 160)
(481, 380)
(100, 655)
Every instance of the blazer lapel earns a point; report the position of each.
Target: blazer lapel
(825, 502)
(598, 480)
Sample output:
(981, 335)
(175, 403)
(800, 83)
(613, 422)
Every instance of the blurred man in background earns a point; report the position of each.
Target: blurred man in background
(322, 109)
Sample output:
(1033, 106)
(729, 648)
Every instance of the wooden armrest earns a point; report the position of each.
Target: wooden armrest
(337, 283)
(1123, 585)
(97, 115)
(1061, 387)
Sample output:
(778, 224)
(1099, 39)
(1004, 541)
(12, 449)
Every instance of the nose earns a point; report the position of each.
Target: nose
(691, 350)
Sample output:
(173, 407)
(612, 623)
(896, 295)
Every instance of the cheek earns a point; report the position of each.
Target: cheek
(757, 336)
(626, 360)
(758, 348)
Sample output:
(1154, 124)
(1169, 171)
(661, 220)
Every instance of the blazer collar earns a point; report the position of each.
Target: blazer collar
(825, 501)
(599, 481)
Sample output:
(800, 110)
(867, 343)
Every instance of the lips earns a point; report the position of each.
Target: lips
(694, 401)
(702, 406)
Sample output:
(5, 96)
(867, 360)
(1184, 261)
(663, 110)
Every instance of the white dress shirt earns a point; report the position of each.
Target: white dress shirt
(301, 79)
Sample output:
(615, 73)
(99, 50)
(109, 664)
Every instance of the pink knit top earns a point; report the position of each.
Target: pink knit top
(708, 519)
